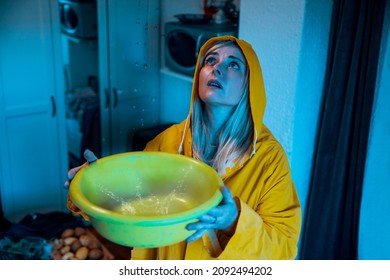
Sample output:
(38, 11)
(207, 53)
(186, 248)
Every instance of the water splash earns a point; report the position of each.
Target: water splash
(151, 204)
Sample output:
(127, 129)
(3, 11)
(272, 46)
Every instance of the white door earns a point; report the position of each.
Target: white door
(32, 142)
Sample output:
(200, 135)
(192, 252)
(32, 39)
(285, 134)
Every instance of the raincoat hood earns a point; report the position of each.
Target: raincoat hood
(255, 82)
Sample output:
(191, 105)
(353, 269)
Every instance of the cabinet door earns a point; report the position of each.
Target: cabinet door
(132, 58)
(32, 149)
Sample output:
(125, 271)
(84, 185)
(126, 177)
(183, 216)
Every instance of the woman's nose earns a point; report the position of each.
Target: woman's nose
(218, 70)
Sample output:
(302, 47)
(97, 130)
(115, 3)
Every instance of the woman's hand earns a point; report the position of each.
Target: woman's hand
(90, 157)
(222, 217)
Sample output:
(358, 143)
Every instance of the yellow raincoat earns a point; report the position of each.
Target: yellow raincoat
(269, 220)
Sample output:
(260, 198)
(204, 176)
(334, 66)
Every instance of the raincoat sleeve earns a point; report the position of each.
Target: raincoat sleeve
(271, 229)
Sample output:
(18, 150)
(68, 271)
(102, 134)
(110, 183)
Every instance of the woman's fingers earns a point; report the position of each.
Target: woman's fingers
(72, 173)
(207, 218)
(227, 195)
(198, 234)
(74, 170)
(90, 156)
(221, 217)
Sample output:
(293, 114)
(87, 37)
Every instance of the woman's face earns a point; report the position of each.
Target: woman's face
(222, 76)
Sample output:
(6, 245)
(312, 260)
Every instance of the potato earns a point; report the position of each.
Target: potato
(67, 233)
(68, 256)
(75, 245)
(69, 240)
(78, 231)
(94, 244)
(82, 253)
(65, 249)
(95, 254)
(85, 240)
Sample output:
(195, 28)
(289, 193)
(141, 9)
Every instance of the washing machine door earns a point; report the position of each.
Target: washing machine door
(182, 49)
(69, 18)
(79, 18)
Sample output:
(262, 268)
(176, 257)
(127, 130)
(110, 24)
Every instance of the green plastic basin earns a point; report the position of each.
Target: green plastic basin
(145, 199)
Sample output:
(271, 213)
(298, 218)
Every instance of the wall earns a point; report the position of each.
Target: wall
(308, 94)
(277, 42)
(291, 45)
(374, 241)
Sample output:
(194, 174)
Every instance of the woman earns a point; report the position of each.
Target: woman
(260, 215)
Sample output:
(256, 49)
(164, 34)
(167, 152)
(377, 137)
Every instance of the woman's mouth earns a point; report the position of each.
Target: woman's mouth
(214, 83)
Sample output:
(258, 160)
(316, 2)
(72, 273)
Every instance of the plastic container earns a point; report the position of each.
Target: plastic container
(145, 199)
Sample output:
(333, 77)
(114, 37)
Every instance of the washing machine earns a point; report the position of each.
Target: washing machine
(79, 18)
(183, 41)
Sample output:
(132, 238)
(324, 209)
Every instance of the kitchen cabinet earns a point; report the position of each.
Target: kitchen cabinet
(128, 39)
(32, 144)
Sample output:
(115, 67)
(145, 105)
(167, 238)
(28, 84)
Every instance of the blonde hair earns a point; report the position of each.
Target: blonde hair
(234, 140)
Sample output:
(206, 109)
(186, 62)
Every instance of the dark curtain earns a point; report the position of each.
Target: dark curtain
(332, 217)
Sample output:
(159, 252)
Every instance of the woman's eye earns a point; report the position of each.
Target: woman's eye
(210, 60)
(234, 65)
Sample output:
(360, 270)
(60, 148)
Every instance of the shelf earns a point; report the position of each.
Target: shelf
(79, 40)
